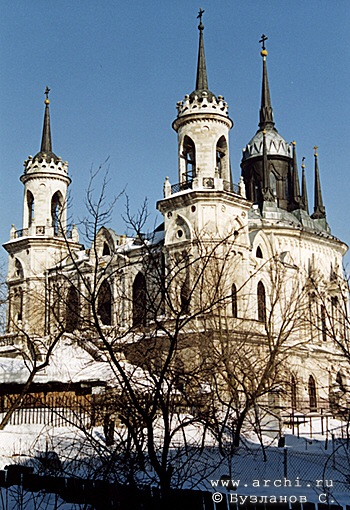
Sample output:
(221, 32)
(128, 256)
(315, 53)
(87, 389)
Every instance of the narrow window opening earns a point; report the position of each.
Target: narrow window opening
(234, 301)
(30, 203)
(221, 151)
(261, 302)
(106, 250)
(72, 310)
(104, 304)
(139, 294)
(56, 210)
(293, 392)
(189, 154)
(18, 269)
(185, 294)
(323, 323)
(312, 394)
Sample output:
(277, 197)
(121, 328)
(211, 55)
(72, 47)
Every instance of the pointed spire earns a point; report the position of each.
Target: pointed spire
(202, 78)
(304, 203)
(266, 112)
(46, 143)
(319, 209)
(295, 180)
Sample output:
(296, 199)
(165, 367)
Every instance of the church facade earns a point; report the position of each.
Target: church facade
(252, 260)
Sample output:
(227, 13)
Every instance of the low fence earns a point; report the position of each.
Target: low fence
(102, 495)
(58, 417)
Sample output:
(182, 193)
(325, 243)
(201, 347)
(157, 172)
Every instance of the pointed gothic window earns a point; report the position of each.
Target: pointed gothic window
(293, 392)
(312, 394)
(185, 294)
(17, 306)
(259, 254)
(162, 284)
(104, 303)
(139, 295)
(72, 309)
(106, 250)
(234, 300)
(341, 382)
(18, 270)
(221, 152)
(323, 323)
(30, 204)
(189, 154)
(273, 184)
(56, 209)
(261, 302)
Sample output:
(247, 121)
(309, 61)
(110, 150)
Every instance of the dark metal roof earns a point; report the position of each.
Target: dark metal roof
(266, 112)
(201, 77)
(46, 141)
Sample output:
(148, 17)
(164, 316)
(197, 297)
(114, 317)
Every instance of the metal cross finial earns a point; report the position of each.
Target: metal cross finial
(262, 41)
(47, 90)
(200, 14)
(315, 149)
(303, 159)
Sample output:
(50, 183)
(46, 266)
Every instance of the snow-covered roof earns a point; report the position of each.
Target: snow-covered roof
(69, 363)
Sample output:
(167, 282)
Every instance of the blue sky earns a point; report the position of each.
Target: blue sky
(116, 70)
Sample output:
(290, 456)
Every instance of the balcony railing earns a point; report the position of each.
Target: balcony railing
(206, 183)
(41, 230)
(181, 186)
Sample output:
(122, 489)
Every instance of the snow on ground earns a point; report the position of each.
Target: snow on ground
(295, 470)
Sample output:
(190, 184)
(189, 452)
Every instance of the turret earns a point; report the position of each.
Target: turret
(203, 127)
(46, 181)
(267, 158)
(43, 240)
(204, 200)
(319, 214)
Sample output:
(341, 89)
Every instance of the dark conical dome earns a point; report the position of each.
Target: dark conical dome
(202, 100)
(201, 89)
(46, 141)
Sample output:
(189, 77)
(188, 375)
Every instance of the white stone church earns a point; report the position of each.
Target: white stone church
(278, 269)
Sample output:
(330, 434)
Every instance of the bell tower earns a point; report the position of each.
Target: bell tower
(203, 126)
(44, 238)
(204, 202)
(46, 181)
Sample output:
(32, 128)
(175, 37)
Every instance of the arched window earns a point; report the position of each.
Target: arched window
(221, 154)
(234, 300)
(139, 300)
(17, 314)
(162, 284)
(30, 204)
(341, 381)
(104, 303)
(56, 209)
(106, 250)
(72, 309)
(185, 293)
(189, 154)
(259, 254)
(323, 323)
(18, 270)
(312, 394)
(261, 302)
(293, 392)
(273, 184)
